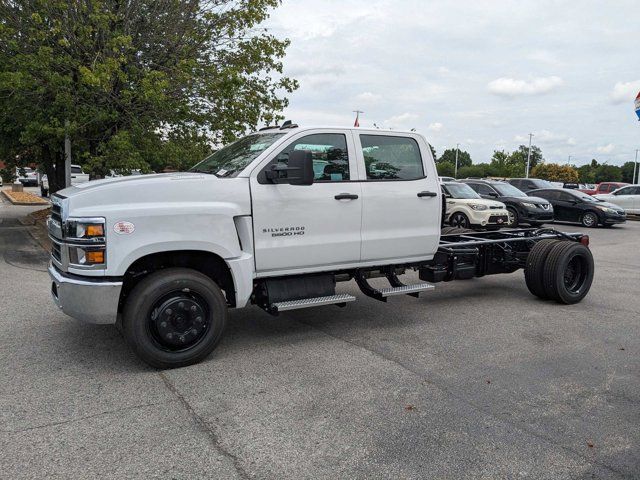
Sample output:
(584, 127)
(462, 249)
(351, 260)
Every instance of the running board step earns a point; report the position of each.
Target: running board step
(405, 289)
(339, 300)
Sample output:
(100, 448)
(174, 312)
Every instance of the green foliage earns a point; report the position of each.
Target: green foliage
(472, 171)
(586, 174)
(449, 155)
(433, 152)
(148, 84)
(607, 173)
(627, 172)
(445, 169)
(555, 173)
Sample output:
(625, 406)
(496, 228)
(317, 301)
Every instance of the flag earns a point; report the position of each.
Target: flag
(637, 105)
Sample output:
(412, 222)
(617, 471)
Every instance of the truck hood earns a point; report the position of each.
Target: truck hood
(169, 190)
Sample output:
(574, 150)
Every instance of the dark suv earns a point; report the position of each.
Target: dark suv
(526, 184)
(521, 208)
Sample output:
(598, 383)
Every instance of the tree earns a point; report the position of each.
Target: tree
(627, 172)
(586, 174)
(445, 169)
(469, 171)
(134, 84)
(433, 152)
(607, 173)
(555, 173)
(518, 159)
(449, 155)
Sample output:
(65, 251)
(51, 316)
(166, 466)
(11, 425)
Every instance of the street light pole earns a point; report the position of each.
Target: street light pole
(529, 155)
(455, 175)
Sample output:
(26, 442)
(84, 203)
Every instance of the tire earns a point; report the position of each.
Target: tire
(196, 316)
(534, 268)
(568, 272)
(589, 219)
(512, 221)
(460, 220)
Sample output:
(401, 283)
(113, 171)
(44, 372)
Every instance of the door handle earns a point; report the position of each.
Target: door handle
(346, 196)
(427, 194)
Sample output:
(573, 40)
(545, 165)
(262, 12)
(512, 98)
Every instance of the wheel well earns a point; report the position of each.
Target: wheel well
(204, 262)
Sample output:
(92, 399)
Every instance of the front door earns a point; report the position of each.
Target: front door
(309, 226)
(401, 206)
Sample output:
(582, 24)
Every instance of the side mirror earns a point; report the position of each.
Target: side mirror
(298, 171)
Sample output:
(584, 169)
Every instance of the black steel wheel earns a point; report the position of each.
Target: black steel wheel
(589, 219)
(512, 217)
(459, 220)
(174, 317)
(534, 268)
(568, 272)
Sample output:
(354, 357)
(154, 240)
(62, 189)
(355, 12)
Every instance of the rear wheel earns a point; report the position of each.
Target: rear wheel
(589, 219)
(459, 220)
(568, 272)
(534, 269)
(174, 317)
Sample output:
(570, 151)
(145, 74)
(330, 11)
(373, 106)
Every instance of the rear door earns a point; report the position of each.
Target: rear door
(309, 227)
(569, 208)
(401, 207)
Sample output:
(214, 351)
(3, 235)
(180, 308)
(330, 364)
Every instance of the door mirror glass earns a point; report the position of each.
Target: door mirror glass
(297, 171)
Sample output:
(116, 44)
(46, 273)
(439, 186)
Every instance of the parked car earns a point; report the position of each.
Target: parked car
(526, 184)
(626, 197)
(447, 179)
(77, 177)
(30, 177)
(521, 208)
(603, 188)
(466, 209)
(575, 206)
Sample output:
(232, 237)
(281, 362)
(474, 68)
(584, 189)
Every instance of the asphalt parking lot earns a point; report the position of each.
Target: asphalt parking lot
(477, 379)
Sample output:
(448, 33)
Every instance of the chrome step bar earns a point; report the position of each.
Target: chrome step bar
(340, 299)
(406, 289)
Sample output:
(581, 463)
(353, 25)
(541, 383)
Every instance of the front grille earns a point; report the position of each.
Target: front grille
(495, 207)
(498, 219)
(55, 251)
(544, 206)
(56, 213)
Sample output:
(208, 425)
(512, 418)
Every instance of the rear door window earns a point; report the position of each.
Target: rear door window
(391, 157)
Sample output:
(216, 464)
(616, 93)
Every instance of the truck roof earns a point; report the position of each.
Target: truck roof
(279, 128)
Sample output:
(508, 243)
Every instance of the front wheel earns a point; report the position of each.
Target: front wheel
(460, 220)
(174, 317)
(512, 220)
(589, 219)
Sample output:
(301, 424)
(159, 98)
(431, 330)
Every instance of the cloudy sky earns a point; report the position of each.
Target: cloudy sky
(481, 73)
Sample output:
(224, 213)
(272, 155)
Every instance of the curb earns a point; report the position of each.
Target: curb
(23, 204)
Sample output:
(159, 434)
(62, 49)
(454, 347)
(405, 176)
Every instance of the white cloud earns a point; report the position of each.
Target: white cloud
(435, 126)
(607, 148)
(511, 87)
(367, 98)
(544, 56)
(625, 92)
(402, 119)
(547, 137)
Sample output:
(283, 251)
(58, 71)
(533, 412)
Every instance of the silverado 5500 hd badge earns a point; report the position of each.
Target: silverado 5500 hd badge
(284, 231)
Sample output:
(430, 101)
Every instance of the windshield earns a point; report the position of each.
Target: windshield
(541, 183)
(508, 190)
(230, 160)
(460, 190)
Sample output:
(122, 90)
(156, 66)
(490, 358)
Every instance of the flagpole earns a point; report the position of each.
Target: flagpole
(357, 122)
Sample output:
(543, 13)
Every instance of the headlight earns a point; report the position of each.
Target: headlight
(477, 206)
(529, 205)
(86, 256)
(606, 209)
(85, 229)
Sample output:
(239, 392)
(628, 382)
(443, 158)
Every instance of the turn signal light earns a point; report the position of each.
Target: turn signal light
(584, 240)
(95, 231)
(94, 257)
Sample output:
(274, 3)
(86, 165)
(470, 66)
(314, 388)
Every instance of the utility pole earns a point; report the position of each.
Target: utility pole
(569, 160)
(67, 156)
(529, 156)
(455, 175)
(357, 122)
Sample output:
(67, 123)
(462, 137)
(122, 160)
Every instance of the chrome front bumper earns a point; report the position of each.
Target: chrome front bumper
(91, 300)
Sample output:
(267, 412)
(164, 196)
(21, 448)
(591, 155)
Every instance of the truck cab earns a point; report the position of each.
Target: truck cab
(275, 217)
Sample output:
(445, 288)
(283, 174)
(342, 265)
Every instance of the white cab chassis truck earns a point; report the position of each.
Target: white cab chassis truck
(275, 220)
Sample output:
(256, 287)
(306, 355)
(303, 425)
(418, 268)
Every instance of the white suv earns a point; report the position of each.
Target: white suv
(466, 209)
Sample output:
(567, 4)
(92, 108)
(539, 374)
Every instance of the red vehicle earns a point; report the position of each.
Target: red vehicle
(605, 187)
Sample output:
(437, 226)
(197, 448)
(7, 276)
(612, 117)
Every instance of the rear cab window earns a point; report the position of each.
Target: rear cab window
(390, 157)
